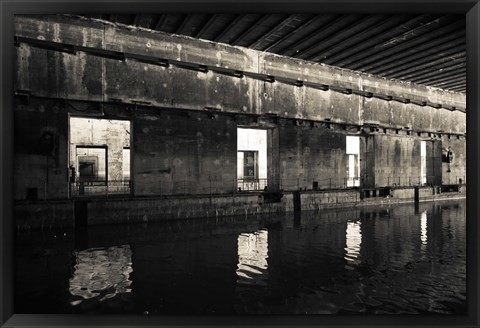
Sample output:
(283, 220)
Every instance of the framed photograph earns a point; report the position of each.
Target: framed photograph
(239, 164)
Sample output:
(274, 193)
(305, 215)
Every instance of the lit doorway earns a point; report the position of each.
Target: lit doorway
(423, 163)
(99, 157)
(92, 163)
(353, 163)
(251, 159)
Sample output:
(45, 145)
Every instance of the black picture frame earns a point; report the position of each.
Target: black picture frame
(470, 8)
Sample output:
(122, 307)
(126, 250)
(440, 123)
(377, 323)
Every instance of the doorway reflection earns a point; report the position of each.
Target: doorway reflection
(353, 241)
(101, 274)
(372, 260)
(252, 258)
(423, 227)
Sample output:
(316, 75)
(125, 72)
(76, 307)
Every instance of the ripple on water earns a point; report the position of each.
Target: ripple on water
(340, 261)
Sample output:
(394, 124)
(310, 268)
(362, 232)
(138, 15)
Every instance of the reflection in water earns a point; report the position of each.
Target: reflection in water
(101, 273)
(252, 257)
(423, 227)
(354, 240)
(372, 260)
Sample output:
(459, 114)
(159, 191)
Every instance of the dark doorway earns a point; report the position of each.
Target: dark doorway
(297, 203)
(81, 213)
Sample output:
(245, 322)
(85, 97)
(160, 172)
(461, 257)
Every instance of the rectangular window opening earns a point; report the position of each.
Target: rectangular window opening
(353, 162)
(251, 159)
(126, 163)
(99, 159)
(423, 163)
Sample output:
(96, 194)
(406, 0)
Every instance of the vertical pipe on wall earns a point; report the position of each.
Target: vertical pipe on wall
(69, 157)
(132, 157)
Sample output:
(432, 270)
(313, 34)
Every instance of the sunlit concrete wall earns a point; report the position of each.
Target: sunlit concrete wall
(113, 134)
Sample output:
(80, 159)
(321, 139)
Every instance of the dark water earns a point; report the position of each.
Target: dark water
(379, 260)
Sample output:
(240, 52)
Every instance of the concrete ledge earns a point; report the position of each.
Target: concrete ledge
(44, 215)
(316, 200)
(60, 214)
(313, 200)
(160, 209)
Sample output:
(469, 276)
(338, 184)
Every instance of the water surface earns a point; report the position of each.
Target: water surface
(381, 260)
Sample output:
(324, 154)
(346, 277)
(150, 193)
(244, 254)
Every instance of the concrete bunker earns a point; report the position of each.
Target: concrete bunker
(184, 126)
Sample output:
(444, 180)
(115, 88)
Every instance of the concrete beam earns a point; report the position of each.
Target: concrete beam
(187, 89)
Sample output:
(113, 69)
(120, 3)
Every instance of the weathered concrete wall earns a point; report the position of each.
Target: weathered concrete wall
(179, 152)
(458, 169)
(309, 154)
(176, 151)
(395, 159)
(41, 150)
(184, 153)
(97, 78)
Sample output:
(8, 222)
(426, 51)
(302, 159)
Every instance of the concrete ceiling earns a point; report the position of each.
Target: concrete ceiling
(424, 49)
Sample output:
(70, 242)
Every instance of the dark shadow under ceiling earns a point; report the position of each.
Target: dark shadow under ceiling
(427, 49)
